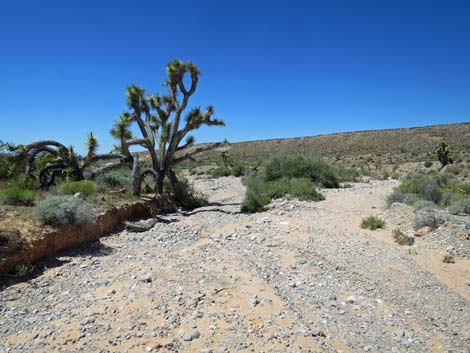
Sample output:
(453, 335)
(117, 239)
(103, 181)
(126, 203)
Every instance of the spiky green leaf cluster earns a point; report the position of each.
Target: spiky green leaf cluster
(121, 128)
(91, 144)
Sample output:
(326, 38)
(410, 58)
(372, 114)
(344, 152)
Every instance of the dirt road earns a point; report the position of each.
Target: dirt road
(302, 277)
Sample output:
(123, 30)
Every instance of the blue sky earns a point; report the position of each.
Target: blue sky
(271, 68)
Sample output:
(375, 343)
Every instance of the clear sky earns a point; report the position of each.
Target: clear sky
(270, 68)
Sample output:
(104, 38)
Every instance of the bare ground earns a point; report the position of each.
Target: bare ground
(302, 277)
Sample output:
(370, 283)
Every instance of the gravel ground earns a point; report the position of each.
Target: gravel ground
(302, 277)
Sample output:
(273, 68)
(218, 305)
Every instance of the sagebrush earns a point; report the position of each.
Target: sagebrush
(63, 210)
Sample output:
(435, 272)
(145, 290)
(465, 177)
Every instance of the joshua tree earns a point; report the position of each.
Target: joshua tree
(63, 160)
(159, 120)
(442, 152)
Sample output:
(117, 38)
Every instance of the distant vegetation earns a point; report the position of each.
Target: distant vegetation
(381, 152)
(433, 189)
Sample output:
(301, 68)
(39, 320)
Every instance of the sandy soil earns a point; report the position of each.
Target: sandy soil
(302, 277)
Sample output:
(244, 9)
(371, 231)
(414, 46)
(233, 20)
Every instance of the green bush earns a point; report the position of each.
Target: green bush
(84, 187)
(402, 238)
(236, 170)
(221, 171)
(427, 186)
(427, 217)
(394, 197)
(187, 197)
(62, 210)
(113, 179)
(259, 192)
(372, 223)
(460, 206)
(17, 195)
(4, 167)
(421, 204)
(255, 197)
(298, 167)
(347, 174)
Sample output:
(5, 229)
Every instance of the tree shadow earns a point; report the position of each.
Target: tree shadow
(217, 210)
(223, 204)
(95, 249)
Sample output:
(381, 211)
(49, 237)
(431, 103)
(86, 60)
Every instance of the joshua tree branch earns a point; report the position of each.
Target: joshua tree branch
(198, 150)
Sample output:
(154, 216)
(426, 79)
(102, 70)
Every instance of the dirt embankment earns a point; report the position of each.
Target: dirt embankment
(49, 241)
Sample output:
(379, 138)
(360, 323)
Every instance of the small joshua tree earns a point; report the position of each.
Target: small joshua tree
(442, 153)
(160, 121)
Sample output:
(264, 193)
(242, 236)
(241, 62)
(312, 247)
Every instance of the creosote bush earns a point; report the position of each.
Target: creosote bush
(259, 193)
(17, 195)
(318, 172)
(372, 223)
(62, 210)
(84, 187)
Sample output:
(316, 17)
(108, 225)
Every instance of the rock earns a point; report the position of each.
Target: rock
(146, 278)
(191, 335)
(100, 199)
(422, 231)
(351, 299)
(77, 195)
(317, 333)
(254, 301)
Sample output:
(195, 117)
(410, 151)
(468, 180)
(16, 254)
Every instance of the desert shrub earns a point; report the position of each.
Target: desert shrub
(303, 189)
(401, 238)
(427, 186)
(372, 223)
(113, 179)
(238, 170)
(259, 192)
(428, 164)
(448, 259)
(427, 217)
(17, 195)
(62, 210)
(460, 206)
(187, 197)
(456, 169)
(298, 167)
(4, 167)
(84, 187)
(255, 199)
(220, 171)
(463, 188)
(395, 196)
(21, 270)
(421, 204)
(347, 174)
